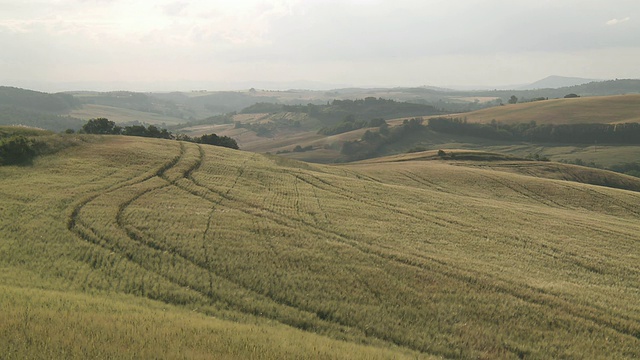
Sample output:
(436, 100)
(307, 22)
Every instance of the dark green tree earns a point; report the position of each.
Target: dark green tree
(16, 150)
(513, 99)
(213, 139)
(101, 126)
(376, 122)
(135, 130)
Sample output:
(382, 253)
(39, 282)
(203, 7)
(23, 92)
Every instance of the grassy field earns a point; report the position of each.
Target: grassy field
(122, 115)
(170, 249)
(597, 109)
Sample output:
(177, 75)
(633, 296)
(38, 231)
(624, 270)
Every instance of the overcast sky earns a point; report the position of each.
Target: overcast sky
(148, 45)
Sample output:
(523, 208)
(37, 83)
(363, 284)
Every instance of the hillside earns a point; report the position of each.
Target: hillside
(36, 101)
(37, 109)
(508, 163)
(148, 245)
(556, 82)
(123, 115)
(601, 109)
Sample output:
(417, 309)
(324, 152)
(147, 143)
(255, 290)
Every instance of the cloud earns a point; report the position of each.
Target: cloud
(613, 22)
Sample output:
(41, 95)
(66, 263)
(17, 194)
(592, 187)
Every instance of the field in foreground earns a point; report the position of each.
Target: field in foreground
(182, 250)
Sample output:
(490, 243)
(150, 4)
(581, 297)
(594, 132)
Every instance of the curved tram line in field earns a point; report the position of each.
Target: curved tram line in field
(532, 295)
(87, 233)
(156, 250)
(215, 278)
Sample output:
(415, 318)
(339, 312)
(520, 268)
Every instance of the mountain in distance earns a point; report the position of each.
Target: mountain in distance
(556, 82)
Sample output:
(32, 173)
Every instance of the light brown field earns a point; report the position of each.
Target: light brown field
(598, 109)
(399, 257)
(122, 115)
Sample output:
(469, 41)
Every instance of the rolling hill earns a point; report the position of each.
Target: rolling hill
(599, 109)
(555, 82)
(121, 246)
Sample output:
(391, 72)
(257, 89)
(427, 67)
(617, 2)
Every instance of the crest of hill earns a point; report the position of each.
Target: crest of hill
(555, 82)
(600, 109)
(30, 100)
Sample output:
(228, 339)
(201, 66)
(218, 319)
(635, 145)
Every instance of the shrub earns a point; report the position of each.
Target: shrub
(213, 139)
(16, 150)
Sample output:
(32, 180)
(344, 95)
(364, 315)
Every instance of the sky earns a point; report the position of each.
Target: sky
(232, 44)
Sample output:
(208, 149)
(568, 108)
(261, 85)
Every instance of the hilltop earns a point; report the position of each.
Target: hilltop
(555, 82)
(156, 247)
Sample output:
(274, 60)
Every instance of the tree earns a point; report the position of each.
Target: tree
(376, 122)
(571, 96)
(16, 150)
(135, 130)
(513, 99)
(151, 131)
(101, 126)
(384, 129)
(370, 136)
(213, 139)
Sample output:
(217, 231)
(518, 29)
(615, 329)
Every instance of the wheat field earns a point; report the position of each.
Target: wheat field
(594, 109)
(153, 248)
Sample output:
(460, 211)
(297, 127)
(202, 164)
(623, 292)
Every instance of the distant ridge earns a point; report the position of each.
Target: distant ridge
(556, 82)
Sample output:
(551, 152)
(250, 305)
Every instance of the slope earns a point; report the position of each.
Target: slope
(555, 82)
(123, 115)
(601, 109)
(512, 164)
(414, 256)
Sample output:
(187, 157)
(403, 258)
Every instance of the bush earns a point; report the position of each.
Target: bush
(16, 150)
(213, 139)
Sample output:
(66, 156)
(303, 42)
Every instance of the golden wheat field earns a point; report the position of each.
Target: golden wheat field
(123, 247)
(595, 109)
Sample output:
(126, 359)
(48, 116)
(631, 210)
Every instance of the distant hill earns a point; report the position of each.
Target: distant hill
(33, 108)
(556, 82)
(30, 100)
(598, 109)
(206, 104)
(37, 109)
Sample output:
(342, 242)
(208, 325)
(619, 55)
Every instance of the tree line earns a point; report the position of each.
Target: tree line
(361, 109)
(349, 124)
(104, 126)
(372, 142)
(628, 133)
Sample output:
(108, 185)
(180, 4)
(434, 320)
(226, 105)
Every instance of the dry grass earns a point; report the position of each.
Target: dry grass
(599, 109)
(46, 324)
(119, 115)
(422, 257)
